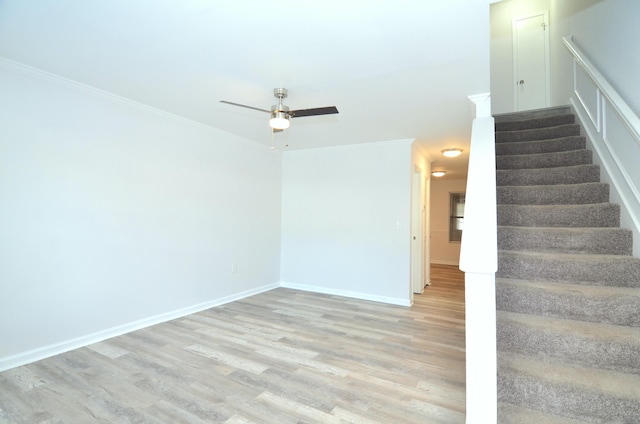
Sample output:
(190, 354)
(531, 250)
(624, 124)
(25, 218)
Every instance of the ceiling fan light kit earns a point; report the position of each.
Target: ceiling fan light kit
(279, 121)
(280, 113)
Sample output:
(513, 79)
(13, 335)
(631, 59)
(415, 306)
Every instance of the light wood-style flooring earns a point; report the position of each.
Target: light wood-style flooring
(280, 357)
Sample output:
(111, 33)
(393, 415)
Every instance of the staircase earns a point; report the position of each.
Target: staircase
(567, 287)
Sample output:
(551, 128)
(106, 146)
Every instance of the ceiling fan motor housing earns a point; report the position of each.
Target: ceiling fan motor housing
(280, 93)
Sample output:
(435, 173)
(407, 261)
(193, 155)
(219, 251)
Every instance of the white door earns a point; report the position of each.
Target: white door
(531, 61)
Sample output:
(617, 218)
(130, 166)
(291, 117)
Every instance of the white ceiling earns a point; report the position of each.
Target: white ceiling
(396, 69)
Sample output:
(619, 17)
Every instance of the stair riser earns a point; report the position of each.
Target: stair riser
(532, 114)
(608, 309)
(565, 399)
(621, 272)
(602, 215)
(541, 146)
(545, 160)
(613, 241)
(550, 121)
(537, 134)
(572, 194)
(551, 176)
(603, 353)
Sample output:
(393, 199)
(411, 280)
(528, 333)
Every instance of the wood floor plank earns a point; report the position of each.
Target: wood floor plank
(284, 356)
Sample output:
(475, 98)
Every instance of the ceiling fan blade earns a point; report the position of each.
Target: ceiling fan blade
(328, 110)
(248, 107)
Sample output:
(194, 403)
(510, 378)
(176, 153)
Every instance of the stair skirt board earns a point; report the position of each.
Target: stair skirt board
(567, 286)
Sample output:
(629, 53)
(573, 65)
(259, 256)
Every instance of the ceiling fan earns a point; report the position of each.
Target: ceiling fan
(280, 113)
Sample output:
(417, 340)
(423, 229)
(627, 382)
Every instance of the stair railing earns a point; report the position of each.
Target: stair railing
(479, 261)
(613, 131)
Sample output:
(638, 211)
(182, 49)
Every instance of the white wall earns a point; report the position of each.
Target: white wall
(346, 220)
(442, 250)
(606, 30)
(114, 215)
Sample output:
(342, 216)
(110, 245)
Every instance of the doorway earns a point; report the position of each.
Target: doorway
(531, 70)
(419, 231)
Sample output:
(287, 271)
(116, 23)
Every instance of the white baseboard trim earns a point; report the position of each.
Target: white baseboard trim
(37, 354)
(346, 293)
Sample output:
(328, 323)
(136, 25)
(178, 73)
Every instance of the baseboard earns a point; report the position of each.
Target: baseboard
(67, 345)
(347, 293)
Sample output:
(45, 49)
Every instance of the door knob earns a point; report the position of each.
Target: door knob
(521, 82)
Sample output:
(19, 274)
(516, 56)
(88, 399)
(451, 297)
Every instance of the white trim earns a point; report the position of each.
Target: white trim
(595, 120)
(479, 261)
(30, 71)
(352, 146)
(82, 341)
(346, 293)
(481, 104)
(629, 199)
(480, 342)
(610, 152)
(44, 352)
(629, 118)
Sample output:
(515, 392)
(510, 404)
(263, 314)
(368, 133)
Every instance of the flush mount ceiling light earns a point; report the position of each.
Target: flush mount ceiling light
(452, 153)
(438, 173)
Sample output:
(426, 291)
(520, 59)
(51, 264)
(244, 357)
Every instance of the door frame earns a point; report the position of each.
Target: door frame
(418, 230)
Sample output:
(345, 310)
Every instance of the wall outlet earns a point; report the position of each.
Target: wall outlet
(234, 268)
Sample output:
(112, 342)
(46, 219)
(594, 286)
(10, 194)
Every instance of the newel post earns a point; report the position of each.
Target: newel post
(479, 261)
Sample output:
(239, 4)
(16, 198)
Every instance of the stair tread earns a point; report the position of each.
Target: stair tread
(607, 332)
(560, 144)
(611, 382)
(544, 154)
(569, 229)
(552, 169)
(596, 240)
(544, 161)
(540, 129)
(588, 214)
(603, 269)
(545, 186)
(577, 256)
(571, 300)
(509, 413)
(536, 122)
(543, 133)
(575, 194)
(586, 287)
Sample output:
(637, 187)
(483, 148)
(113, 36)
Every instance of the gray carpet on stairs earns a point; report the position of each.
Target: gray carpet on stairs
(567, 287)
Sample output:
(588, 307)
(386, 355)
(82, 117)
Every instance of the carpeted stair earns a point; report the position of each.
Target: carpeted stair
(567, 287)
